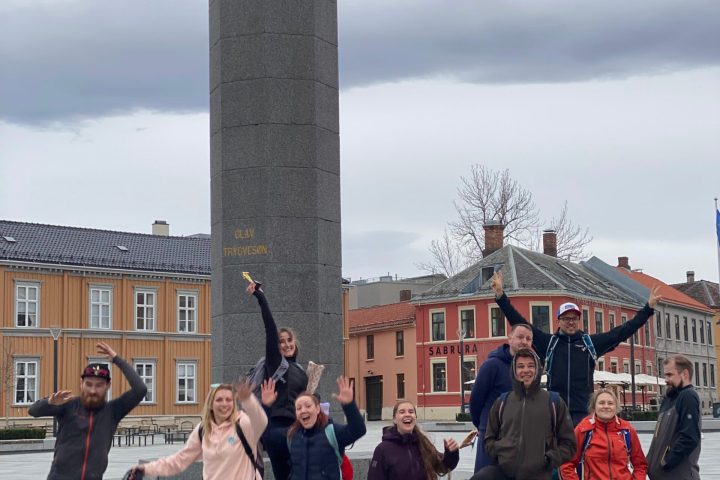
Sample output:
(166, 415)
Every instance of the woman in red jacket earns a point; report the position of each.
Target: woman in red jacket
(607, 446)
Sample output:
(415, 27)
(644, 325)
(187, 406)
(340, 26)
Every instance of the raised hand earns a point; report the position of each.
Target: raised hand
(451, 445)
(60, 397)
(345, 390)
(496, 283)
(243, 390)
(105, 349)
(268, 395)
(655, 296)
(252, 286)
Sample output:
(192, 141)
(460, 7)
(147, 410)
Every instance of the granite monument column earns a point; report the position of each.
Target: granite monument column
(275, 179)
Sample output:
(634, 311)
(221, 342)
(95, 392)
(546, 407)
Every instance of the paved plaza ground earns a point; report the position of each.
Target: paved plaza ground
(37, 465)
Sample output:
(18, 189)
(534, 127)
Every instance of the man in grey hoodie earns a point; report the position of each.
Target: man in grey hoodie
(529, 431)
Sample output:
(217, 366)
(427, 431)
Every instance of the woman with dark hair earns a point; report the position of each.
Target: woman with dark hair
(406, 452)
(316, 443)
(281, 348)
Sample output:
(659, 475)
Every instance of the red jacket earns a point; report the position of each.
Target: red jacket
(606, 457)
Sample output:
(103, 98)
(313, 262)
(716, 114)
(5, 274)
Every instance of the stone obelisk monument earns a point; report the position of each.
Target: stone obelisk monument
(275, 166)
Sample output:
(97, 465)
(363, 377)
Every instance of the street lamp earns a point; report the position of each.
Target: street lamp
(55, 332)
(461, 335)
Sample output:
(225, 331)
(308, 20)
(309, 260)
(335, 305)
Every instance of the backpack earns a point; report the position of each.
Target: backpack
(256, 375)
(553, 402)
(344, 465)
(588, 437)
(551, 349)
(257, 461)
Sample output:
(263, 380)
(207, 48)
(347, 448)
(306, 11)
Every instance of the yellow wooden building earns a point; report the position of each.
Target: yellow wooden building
(63, 289)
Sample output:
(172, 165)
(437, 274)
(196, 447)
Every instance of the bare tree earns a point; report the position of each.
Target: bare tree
(7, 379)
(572, 240)
(448, 257)
(491, 195)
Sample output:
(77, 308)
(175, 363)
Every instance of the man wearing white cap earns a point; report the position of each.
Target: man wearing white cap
(570, 353)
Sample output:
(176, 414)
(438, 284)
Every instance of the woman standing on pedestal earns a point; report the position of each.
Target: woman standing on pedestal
(279, 344)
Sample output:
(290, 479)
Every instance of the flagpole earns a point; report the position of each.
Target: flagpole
(717, 228)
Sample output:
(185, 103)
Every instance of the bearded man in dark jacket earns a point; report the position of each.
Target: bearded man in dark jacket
(529, 432)
(571, 370)
(87, 423)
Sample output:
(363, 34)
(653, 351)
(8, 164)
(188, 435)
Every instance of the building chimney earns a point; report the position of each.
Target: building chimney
(624, 262)
(690, 276)
(405, 295)
(161, 228)
(494, 231)
(550, 243)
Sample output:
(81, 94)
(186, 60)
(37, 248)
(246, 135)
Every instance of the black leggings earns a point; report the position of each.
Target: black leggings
(274, 441)
(491, 472)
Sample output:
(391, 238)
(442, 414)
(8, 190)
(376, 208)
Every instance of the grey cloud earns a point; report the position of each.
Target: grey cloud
(79, 59)
(527, 42)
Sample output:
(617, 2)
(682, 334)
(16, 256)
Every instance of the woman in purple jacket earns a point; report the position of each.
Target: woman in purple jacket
(406, 452)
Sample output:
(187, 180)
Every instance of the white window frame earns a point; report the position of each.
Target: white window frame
(188, 310)
(638, 367)
(430, 320)
(551, 320)
(649, 367)
(148, 319)
(626, 365)
(623, 321)
(474, 319)
(108, 365)
(601, 364)
(468, 358)
(613, 316)
(100, 303)
(602, 319)
(185, 364)
(433, 362)
(490, 321)
(30, 394)
(614, 360)
(150, 397)
(27, 302)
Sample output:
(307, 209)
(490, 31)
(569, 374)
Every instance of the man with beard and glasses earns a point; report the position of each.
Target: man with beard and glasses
(86, 424)
(675, 446)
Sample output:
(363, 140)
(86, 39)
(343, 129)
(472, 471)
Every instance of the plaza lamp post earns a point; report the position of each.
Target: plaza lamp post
(461, 335)
(55, 332)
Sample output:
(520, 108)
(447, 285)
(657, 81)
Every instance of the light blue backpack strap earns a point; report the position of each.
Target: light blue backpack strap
(549, 354)
(330, 434)
(589, 345)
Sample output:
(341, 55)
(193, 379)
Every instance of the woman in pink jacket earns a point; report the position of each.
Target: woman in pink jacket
(215, 440)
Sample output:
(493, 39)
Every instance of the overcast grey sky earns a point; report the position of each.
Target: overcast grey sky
(611, 106)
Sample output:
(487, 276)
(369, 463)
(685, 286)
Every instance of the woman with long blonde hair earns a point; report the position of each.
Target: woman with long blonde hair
(217, 439)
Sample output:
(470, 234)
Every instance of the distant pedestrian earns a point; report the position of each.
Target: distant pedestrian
(606, 444)
(87, 423)
(675, 447)
(494, 377)
(570, 354)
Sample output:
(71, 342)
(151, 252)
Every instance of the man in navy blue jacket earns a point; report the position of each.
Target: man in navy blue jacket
(494, 378)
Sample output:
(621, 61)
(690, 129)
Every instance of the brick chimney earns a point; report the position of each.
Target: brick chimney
(161, 228)
(624, 262)
(690, 276)
(550, 242)
(493, 237)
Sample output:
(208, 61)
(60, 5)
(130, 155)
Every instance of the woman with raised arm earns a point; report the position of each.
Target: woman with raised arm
(407, 453)
(316, 443)
(226, 439)
(281, 350)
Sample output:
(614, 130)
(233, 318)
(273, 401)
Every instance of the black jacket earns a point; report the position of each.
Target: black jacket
(572, 366)
(675, 447)
(295, 379)
(530, 435)
(398, 457)
(85, 436)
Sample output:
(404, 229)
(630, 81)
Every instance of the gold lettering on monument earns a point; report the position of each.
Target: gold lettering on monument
(244, 250)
